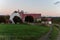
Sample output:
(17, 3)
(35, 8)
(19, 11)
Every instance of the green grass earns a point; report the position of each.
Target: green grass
(54, 34)
(23, 31)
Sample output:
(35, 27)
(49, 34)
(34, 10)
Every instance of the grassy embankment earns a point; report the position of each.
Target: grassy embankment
(54, 33)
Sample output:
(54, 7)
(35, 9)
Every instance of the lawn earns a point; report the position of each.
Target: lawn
(23, 31)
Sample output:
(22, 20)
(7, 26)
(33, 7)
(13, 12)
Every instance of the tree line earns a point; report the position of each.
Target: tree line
(4, 18)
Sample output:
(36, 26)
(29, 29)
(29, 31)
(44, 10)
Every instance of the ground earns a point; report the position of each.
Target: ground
(22, 31)
(27, 32)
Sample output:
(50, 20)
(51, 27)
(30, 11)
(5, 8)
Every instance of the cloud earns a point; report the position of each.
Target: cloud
(57, 2)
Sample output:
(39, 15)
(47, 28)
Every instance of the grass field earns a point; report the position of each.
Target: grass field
(23, 31)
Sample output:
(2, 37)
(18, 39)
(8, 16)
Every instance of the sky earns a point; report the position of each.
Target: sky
(45, 7)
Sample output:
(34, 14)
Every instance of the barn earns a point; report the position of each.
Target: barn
(25, 17)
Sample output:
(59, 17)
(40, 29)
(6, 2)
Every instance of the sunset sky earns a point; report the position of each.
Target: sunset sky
(45, 7)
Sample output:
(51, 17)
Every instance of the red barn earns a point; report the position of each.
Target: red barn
(30, 17)
(25, 17)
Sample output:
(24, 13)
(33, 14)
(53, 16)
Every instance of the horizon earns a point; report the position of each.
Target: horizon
(45, 7)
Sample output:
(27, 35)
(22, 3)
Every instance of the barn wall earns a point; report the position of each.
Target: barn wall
(35, 16)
